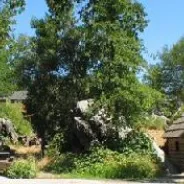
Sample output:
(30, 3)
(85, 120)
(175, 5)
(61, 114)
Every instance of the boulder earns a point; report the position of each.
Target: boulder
(83, 105)
(6, 127)
(98, 129)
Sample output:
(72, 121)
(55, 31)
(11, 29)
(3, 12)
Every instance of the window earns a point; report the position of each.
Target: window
(177, 146)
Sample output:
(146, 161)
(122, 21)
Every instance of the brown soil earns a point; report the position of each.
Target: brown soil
(44, 162)
(157, 136)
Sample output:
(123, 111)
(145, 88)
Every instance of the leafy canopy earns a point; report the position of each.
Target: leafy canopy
(168, 76)
(8, 9)
(86, 49)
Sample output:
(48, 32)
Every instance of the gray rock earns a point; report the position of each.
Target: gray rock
(92, 131)
(6, 126)
(84, 105)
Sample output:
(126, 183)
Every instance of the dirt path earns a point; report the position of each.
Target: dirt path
(69, 181)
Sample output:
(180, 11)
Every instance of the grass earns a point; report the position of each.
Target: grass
(154, 123)
(14, 113)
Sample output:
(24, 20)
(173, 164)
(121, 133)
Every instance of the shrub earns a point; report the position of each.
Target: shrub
(14, 113)
(136, 142)
(56, 145)
(104, 163)
(22, 169)
(115, 165)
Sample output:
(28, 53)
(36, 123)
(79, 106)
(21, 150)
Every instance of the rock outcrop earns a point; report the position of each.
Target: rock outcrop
(6, 127)
(98, 129)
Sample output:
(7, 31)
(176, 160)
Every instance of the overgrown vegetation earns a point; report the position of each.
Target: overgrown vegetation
(104, 163)
(14, 113)
(22, 168)
(131, 158)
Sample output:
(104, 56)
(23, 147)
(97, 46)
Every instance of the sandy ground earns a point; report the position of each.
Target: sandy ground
(157, 136)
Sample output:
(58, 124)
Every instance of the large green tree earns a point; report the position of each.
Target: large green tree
(87, 49)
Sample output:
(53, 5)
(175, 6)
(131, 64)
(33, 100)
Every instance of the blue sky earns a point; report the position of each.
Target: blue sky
(165, 27)
(166, 24)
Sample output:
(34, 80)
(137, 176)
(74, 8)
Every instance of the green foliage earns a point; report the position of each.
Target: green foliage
(132, 167)
(103, 163)
(8, 10)
(7, 84)
(168, 76)
(115, 83)
(151, 122)
(57, 145)
(20, 61)
(178, 114)
(131, 158)
(136, 142)
(14, 113)
(21, 168)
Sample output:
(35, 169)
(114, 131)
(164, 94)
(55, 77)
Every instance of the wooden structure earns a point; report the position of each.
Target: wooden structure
(174, 146)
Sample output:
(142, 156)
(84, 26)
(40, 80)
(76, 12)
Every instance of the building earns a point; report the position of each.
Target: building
(16, 97)
(174, 146)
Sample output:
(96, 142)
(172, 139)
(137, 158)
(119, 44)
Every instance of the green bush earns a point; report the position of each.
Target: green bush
(57, 145)
(134, 167)
(14, 113)
(134, 142)
(22, 169)
(104, 163)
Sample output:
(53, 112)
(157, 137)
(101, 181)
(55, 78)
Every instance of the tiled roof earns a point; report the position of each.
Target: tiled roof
(176, 129)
